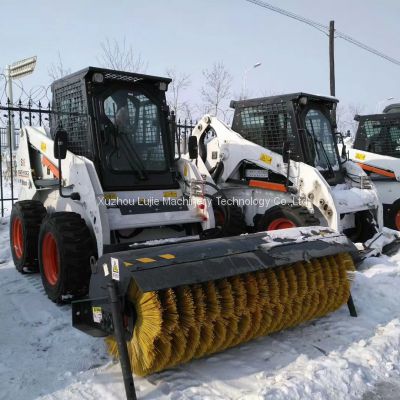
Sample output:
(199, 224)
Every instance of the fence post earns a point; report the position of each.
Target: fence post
(11, 147)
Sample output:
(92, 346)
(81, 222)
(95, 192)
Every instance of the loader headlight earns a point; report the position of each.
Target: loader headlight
(163, 86)
(98, 77)
(303, 100)
(365, 182)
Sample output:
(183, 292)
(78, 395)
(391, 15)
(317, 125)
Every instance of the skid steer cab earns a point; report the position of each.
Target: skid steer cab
(376, 149)
(103, 177)
(281, 164)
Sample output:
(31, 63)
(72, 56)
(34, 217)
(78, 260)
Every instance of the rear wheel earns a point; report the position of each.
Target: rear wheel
(229, 219)
(392, 219)
(286, 216)
(65, 249)
(25, 220)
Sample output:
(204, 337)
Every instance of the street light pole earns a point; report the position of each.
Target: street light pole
(246, 71)
(16, 70)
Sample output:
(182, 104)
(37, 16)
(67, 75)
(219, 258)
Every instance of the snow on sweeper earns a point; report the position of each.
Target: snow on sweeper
(281, 165)
(84, 220)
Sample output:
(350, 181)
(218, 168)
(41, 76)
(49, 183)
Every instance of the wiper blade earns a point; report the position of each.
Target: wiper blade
(139, 167)
(319, 143)
(136, 163)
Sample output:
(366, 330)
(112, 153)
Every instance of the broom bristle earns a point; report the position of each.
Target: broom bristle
(212, 301)
(206, 340)
(178, 324)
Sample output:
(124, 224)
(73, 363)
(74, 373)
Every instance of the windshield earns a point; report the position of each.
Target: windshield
(323, 147)
(132, 137)
(383, 135)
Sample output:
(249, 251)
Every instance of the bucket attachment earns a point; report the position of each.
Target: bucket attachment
(188, 300)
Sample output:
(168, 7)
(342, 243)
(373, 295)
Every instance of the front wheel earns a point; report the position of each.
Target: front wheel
(229, 219)
(284, 217)
(65, 249)
(392, 217)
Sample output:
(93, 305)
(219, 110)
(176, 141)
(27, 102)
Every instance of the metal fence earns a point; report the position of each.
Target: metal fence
(14, 116)
(183, 131)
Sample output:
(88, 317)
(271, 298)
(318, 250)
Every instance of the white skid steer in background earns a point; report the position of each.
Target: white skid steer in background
(289, 172)
(376, 149)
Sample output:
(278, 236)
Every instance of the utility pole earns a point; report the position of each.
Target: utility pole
(332, 64)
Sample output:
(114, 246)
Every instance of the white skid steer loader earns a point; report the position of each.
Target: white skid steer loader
(114, 219)
(289, 172)
(376, 149)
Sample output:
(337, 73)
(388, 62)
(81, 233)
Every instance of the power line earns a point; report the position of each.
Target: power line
(289, 14)
(324, 29)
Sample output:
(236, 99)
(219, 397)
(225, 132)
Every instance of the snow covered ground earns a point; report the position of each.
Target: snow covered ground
(336, 357)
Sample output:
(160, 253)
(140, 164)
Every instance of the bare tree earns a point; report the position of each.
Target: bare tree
(341, 118)
(180, 82)
(345, 117)
(57, 69)
(217, 88)
(188, 112)
(120, 56)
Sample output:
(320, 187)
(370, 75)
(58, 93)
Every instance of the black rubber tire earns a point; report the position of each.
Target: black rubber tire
(74, 248)
(365, 227)
(31, 214)
(298, 215)
(390, 215)
(233, 220)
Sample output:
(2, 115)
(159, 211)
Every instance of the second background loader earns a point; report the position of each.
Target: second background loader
(281, 165)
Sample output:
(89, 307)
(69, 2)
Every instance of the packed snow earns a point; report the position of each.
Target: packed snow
(335, 357)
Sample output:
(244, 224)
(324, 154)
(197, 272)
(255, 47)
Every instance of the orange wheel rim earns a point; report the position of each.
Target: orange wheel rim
(50, 258)
(397, 220)
(281, 223)
(18, 237)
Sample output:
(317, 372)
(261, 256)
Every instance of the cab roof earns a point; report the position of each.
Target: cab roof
(282, 98)
(109, 75)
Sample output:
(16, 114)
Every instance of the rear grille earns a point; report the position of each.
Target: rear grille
(268, 125)
(70, 113)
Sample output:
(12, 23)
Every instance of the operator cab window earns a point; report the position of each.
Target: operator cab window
(132, 138)
(383, 136)
(321, 140)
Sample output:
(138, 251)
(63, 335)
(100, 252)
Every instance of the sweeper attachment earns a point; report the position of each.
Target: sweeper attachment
(188, 300)
(103, 192)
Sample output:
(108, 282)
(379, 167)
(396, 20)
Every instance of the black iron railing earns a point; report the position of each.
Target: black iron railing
(12, 118)
(15, 116)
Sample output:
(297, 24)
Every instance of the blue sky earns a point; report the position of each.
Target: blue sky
(191, 35)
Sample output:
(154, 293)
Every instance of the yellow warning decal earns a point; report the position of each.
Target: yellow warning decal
(170, 194)
(360, 156)
(266, 158)
(167, 256)
(110, 196)
(127, 264)
(145, 260)
(97, 314)
(185, 170)
(115, 268)
(43, 146)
